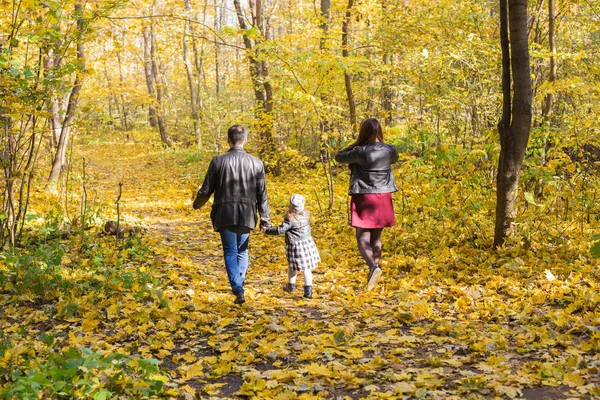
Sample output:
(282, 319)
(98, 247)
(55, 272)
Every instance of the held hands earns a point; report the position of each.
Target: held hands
(264, 226)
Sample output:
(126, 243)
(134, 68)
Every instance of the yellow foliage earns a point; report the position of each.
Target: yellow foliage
(447, 319)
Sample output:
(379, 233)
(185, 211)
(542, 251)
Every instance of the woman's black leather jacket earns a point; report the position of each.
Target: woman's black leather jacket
(371, 167)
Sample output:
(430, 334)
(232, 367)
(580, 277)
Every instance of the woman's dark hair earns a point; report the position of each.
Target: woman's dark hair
(370, 131)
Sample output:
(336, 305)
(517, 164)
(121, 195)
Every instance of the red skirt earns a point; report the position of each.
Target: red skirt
(372, 211)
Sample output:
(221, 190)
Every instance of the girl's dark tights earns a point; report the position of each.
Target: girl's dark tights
(369, 245)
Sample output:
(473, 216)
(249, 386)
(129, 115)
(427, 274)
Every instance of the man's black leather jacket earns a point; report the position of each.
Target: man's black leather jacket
(370, 166)
(237, 180)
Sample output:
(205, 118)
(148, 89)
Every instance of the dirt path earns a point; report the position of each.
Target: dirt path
(402, 340)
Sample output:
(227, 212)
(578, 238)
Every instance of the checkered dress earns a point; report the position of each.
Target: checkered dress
(301, 250)
(302, 255)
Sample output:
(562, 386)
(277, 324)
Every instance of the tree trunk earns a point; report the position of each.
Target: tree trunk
(325, 14)
(190, 75)
(154, 86)
(549, 100)
(60, 158)
(259, 73)
(324, 123)
(52, 61)
(55, 121)
(124, 111)
(160, 89)
(515, 124)
(152, 114)
(111, 95)
(217, 27)
(347, 76)
(387, 94)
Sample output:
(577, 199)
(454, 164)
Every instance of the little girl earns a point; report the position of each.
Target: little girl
(302, 253)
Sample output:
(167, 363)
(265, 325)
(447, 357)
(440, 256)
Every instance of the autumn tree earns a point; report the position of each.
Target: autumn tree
(515, 123)
(259, 69)
(193, 69)
(549, 99)
(154, 82)
(347, 75)
(60, 156)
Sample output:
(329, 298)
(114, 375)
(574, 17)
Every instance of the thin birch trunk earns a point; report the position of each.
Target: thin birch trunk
(152, 113)
(160, 88)
(549, 100)
(347, 75)
(60, 158)
(190, 75)
(259, 73)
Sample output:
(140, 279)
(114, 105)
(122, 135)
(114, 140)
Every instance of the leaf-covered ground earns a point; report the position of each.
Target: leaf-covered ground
(452, 319)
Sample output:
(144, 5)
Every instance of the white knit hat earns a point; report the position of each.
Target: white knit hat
(297, 203)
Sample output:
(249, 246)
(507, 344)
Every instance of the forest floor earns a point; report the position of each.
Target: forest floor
(451, 318)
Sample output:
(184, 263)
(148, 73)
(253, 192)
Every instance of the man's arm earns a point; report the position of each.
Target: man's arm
(262, 200)
(208, 187)
(348, 155)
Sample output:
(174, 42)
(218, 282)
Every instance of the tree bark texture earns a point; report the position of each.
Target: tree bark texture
(347, 75)
(60, 157)
(52, 61)
(190, 76)
(515, 123)
(387, 101)
(259, 73)
(324, 123)
(154, 86)
(124, 110)
(549, 99)
(152, 113)
(160, 88)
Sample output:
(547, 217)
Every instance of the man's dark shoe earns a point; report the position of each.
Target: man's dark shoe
(289, 287)
(239, 298)
(308, 292)
(374, 276)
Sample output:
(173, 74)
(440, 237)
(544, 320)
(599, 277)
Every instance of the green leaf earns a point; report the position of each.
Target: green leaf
(596, 250)
(47, 339)
(16, 374)
(102, 394)
(529, 198)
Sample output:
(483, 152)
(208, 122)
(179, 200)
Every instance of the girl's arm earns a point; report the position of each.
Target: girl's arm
(279, 230)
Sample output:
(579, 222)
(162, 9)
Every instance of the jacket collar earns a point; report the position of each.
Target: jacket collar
(236, 148)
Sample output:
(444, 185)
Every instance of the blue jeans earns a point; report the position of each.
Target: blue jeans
(235, 253)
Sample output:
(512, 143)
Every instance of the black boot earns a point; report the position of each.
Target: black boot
(239, 298)
(308, 292)
(289, 287)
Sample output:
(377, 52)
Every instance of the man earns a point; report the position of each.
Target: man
(238, 181)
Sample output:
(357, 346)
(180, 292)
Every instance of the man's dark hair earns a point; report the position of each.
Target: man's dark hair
(237, 134)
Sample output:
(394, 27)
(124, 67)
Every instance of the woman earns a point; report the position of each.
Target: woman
(371, 187)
